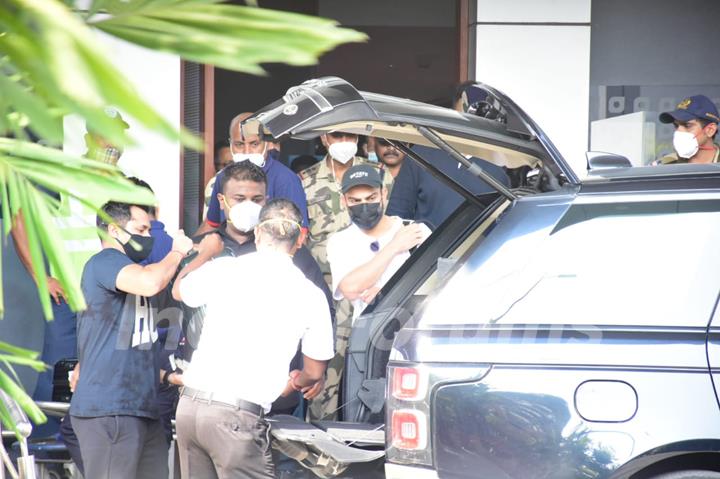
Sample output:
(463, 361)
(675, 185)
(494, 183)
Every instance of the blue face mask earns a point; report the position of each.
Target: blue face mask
(372, 156)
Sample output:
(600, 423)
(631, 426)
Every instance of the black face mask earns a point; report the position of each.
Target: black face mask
(366, 215)
(145, 243)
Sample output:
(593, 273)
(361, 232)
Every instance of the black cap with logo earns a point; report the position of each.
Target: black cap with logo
(365, 175)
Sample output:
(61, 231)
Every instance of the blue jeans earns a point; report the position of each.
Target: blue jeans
(60, 343)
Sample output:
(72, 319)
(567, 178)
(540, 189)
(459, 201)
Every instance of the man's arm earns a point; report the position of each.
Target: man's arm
(309, 380)
(19, 235)
(364, 277)
(150, 280)
(210, 246)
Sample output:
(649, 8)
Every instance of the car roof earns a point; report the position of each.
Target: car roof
(331, 104)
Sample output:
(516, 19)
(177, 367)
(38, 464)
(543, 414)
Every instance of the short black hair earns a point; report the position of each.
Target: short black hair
(286, 232)
(149, 209)
(118, 212)
(219, 145)
(242, 171)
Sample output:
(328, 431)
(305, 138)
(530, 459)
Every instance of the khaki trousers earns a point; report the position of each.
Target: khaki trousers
(218, 441)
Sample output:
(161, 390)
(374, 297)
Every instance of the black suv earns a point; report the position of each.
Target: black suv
(556, 329)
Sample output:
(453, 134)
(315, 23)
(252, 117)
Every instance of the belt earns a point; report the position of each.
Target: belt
(235, 402)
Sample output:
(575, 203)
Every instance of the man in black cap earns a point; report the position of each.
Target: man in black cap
(367, 253)
(696, 124)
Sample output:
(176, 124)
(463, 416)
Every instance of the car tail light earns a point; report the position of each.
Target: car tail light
(409, 384)
(408, 432)
(408, 407)
(409, 429)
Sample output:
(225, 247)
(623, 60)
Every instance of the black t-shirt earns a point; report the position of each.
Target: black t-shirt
(118, 371)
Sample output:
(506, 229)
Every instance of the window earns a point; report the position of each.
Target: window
(645, 263)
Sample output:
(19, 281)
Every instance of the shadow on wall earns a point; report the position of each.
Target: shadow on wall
(23, 324)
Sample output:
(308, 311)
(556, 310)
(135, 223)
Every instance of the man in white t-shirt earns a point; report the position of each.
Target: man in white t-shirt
(259, 307)
(367, 253)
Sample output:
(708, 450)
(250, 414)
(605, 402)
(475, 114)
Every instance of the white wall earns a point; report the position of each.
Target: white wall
(538, 52)
(153, 158)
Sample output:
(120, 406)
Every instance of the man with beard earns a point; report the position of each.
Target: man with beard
(328, 214)
(242, 195)
(389, 156)
(248, 144)
(259, 307)
(367, 253)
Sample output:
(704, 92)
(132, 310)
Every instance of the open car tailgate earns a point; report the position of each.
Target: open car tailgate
(329, 452)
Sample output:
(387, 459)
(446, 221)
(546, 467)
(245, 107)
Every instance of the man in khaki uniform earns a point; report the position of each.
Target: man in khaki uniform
(696, 124)
(327, 215)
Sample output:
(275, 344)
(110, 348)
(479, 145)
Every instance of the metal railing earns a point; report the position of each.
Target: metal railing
(25, 462)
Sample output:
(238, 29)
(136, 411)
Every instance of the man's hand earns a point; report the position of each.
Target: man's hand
(369, 294)
(181, 243)
(290, 386)
(176, 379)
(56, 289)
(407, 238)
(211, 245)
(74, 377)
(311, 392)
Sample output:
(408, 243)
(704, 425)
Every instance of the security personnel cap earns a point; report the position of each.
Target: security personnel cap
(691, 108)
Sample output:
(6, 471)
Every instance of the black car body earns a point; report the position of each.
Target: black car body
(556, 329)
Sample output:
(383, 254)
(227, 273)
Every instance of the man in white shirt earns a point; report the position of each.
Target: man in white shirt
(250, 334)
(367, 253)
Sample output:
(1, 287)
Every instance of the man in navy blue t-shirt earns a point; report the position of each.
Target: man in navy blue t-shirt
(419, 196)
(247, 145)
(113, 408)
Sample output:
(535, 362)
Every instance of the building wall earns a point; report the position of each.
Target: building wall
(538, 52)
(153, 157)
(647, 55)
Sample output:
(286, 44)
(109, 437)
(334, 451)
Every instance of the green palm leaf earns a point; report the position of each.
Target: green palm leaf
(52, 64)
(233, 37)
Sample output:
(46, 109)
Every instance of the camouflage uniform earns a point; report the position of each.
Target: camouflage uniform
(674, 159)
(327, 215)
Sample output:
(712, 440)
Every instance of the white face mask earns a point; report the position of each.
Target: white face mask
(258, 159)
(245, 215)
(685, 144)
(343, 151)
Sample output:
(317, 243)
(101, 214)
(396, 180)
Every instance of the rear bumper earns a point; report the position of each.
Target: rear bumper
(398, 471)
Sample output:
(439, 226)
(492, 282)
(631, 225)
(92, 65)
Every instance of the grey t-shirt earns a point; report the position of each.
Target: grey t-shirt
(118, 371)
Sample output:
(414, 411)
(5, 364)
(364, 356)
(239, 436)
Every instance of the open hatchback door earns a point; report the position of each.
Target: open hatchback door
(503, 135)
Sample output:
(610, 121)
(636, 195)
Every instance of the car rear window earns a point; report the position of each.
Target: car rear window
(642, 263)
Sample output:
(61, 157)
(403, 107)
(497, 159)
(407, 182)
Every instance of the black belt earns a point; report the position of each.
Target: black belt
(237, 403)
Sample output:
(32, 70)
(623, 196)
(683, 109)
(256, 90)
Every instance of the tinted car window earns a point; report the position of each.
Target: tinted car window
(647, 263)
